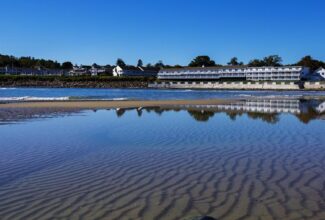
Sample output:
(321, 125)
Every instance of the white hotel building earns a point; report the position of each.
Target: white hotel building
(282, 73)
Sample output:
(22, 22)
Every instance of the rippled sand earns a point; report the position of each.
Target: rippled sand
(229, 171)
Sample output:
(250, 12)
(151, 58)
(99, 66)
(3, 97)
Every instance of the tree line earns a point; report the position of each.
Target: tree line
(272, 60)
(199, 61)
(31, 62)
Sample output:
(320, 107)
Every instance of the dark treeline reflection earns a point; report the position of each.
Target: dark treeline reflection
(304, 110)
(14, 115)
(266, 110)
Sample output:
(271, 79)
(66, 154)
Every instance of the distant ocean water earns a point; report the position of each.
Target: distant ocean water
(17, 94)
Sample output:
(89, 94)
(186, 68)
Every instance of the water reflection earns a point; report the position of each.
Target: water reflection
(14, 115)
(264, 109)
(267, 110)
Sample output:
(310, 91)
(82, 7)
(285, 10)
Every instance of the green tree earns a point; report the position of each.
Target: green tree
(67, 65)
(120, 62)
(149, 65)
(234, 62)
(308, 61)
(200, 61)
(140, 63)
(273, 60)
(256, 63)
(159, 64)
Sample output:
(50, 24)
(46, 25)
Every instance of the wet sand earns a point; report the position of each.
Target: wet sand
(111, 104)
(159, 168)
(259, 173)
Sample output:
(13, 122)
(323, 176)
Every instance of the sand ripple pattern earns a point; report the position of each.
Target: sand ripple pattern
(171, 170)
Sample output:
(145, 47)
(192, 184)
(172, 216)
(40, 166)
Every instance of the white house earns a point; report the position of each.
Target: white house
(135, 71)
(78, 71)
(95, 70)
(32, 71)
(320, 72)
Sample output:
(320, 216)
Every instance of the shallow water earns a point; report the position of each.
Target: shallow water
(17, 94)
(171, 163)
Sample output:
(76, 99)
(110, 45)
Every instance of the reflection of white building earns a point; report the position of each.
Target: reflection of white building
(256, 105)
(321, 108)
(265, 106)
(282, 73)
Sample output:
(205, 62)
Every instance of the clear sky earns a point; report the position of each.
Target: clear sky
(174, 31)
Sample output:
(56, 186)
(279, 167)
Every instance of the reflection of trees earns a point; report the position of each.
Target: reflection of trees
(157, 110)
(233, 115)
(307, 116)
(201, 115)
(139, 112)
(271, 118)
(120, 112)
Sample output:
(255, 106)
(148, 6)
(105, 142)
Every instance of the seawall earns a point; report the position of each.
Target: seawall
(239, 85)
(75, 84)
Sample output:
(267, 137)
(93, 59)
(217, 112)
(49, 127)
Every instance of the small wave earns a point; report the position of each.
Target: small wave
(7, 88)
(97, 98)
(281, 96)
(118, 99)
(245, 95)
(32, 98)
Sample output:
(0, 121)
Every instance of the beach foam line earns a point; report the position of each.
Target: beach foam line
(33, 98)
(4, 88)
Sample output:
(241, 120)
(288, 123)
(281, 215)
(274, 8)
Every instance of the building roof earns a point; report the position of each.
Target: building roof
(320, 68)
(142, 69)
(152, 69)
(134, 68)
(223, 67)
(207, 68)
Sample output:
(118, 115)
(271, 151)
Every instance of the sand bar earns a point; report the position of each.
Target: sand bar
(112, 104)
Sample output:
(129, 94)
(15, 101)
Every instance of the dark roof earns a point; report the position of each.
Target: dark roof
(222, 67)
(136, 68)
(319, 68)
(210, 67)
(153, 69)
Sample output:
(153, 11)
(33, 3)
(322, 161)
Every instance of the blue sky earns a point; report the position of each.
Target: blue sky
(174, 31)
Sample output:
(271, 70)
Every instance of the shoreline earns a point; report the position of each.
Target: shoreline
(173, 85)
(87, 104)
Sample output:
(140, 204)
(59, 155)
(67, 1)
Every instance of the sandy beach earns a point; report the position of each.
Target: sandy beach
(111, 104)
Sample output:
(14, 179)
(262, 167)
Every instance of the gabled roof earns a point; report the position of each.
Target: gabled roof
(320, 68)
(129, 68)
(152, 69)
(142, 69)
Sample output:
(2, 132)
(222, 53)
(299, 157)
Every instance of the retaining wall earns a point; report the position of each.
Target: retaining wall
(314, 85)
(231, 85)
